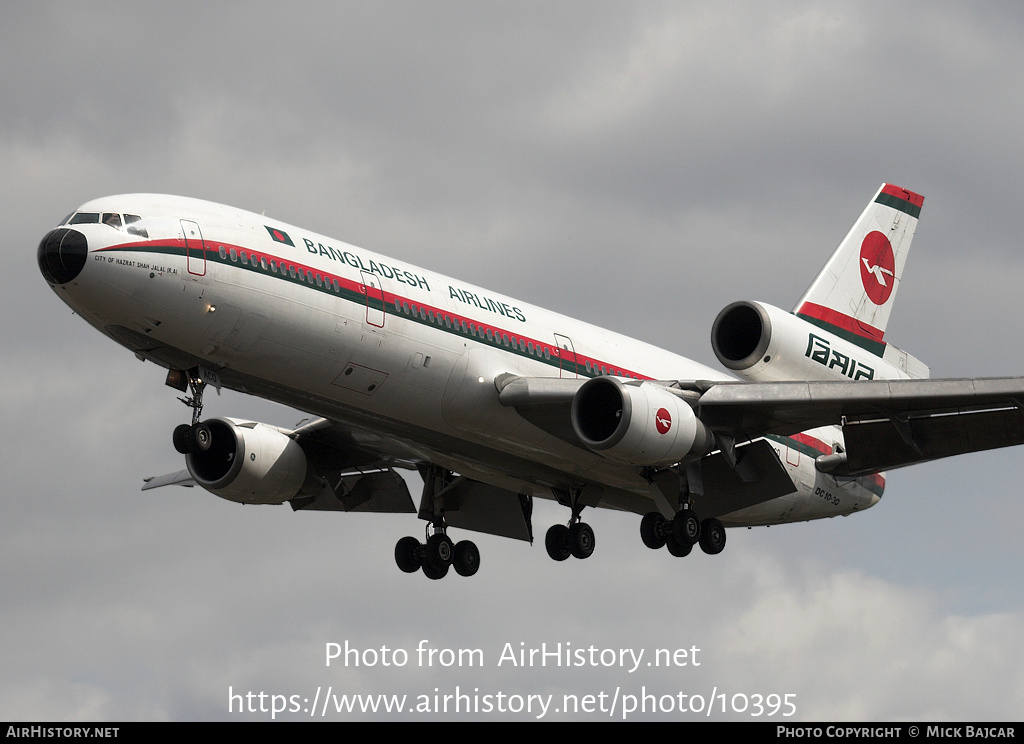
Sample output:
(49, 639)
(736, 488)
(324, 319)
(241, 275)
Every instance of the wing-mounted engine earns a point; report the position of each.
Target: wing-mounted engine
(643, 424)
(762, 343)
(249, 463)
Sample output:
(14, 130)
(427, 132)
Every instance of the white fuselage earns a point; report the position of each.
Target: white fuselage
(403, 357)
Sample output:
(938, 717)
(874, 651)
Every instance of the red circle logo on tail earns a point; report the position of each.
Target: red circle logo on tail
(663, 421)
(877, 267)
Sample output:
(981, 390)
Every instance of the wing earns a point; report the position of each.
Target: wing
(886, 423)
(345, 469)
(348, 477)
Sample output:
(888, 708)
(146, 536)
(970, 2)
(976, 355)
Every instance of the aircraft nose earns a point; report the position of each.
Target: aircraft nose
(62, 253)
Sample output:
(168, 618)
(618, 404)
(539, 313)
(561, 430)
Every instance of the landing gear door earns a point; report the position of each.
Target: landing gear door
(566, 357)
(195, 248)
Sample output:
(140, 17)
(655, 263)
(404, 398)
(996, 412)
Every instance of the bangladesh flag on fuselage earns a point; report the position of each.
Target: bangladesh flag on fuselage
(279, 236)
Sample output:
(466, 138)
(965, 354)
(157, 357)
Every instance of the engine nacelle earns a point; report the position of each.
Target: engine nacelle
(763, 343)
(249, 463)
(637, 424)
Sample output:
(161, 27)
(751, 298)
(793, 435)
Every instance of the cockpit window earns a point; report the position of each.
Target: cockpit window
(130, 222)
(133, 223)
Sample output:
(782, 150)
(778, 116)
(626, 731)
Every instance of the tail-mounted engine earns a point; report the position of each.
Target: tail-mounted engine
(250, 463)
(637, 424)
(763, 343)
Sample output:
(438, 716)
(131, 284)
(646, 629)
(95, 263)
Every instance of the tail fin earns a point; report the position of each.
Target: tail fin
(854, 293)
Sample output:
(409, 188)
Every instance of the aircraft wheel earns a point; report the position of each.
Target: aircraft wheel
(676, 548)
(184, 439)
(202, 436)
(434, 573)
(581, 540)
(686, 527)
(408, 552)
(466, 560)
(439, 551)
(557, 543)
(712, 537)
(653, 530)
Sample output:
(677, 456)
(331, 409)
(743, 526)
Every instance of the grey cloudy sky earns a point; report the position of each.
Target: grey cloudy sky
(639, 165)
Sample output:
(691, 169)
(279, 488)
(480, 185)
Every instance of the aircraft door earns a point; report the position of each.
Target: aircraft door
(371, 288)
(566, 357)
(195, 248)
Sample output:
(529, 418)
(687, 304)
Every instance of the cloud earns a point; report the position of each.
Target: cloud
(638, 166)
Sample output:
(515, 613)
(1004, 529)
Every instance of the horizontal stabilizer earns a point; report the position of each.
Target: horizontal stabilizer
(181, 478)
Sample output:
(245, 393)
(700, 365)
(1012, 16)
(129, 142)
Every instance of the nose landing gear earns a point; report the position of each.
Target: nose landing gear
(188, 438)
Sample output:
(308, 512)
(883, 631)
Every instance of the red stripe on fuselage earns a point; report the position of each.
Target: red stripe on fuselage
(819, 446)
(389, 299)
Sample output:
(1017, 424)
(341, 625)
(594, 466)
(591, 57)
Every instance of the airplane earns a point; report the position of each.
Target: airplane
(496, 402)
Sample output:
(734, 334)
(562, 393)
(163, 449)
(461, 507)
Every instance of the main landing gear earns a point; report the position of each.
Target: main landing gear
(575, 539)
(682, 532)
(437, 555)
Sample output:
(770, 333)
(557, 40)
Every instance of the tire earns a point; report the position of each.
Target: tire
(686, 527)
(652, 530)
(202, 436)
(434, 573)
(184, 439)
(556, 541)
(439, 551)
(712, 537)
(466, 560)
(676, 548)
(581, 540)
(408, 553)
